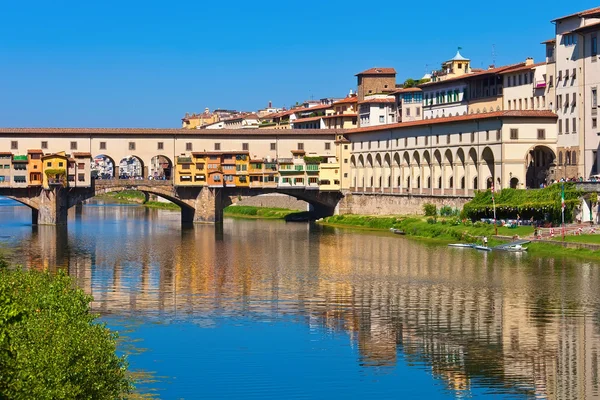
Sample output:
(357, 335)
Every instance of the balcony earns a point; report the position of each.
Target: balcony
(184, 160)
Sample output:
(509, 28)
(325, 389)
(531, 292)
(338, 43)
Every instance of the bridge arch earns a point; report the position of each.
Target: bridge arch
(103, 167)
(161, 167)
(131, 166)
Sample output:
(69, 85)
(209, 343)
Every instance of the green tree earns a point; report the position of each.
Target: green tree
(409, 83)
(50, 345)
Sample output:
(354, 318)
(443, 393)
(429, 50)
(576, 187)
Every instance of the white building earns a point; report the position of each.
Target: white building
(524, 88)
(377, 110)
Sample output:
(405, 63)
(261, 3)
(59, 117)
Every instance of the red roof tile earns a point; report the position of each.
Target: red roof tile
(34, 151)
(82, 154)
(523, 68)
(584, 13)
(60, 132)
(5, 153)
(407, 90)
(469, 117)
(377, 71)
(311, 109)
(484, 72)
(347, 100)
(553, 40)
(377, 101)
(310, 119)
(339, 115)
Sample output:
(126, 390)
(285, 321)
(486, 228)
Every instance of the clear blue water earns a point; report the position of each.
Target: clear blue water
(265, 309)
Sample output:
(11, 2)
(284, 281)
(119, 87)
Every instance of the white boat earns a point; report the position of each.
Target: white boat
(482, 248)
(461, 245)
(515, 249)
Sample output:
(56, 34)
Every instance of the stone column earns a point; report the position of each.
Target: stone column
(207, 207)
(54, 204)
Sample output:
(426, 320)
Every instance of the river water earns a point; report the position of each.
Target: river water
(268, 309)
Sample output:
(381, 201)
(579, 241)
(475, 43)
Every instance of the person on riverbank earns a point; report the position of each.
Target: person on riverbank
(485, 241)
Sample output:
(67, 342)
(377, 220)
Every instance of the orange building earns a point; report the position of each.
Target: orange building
(34, 158)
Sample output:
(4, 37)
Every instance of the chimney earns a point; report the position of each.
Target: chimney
(491, 66)
(529, 61)
(270, 104)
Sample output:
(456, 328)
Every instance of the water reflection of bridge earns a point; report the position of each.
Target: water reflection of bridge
(474, 320)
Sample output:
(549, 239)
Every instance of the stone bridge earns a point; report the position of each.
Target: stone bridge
(198, 204)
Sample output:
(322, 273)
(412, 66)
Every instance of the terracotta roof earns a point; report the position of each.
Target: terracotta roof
(584, 13)
(298, 152)
(5, 153)
(54, 155)
(81, 154)
(35, 151)
(523, 68)
(310, 119)
(311, 109)
(377, 101)
(553, 40)
(347, 100)
(407, 90)
(377, 71)
(468, 117)
(484, 72)
(59, 132)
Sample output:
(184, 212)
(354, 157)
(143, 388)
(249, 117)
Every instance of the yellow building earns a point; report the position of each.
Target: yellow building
(34, 159)
(196, 121)
(184, 171)
(55, 170)
(242, 167)
(343, 114)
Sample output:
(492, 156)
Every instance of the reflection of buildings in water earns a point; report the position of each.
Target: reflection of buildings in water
(489, 321)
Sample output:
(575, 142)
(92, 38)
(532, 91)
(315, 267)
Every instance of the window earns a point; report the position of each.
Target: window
(81, 177)
(61, 164)
(160, 146)
(274, 146)
(102, 145)
(80, 165)
(574, 124)
(216, 177)
(498, 135)
(405, 142)
(300, 146)
(573, 158)
(44, 145)
(514, 134)
(560, 127)
(594, 97)
(437, 139)
(567, 125)
(217, 146)
(551, 81)
(73, 145)
(567, 100)
(487, 136)
(327, 146)
(594, 123)
(541, 134)
(460, 137)
(131, 145)
(14, 145)
(408, 112)
(49, 164)
(188, 146)
(426, 140)
(381, 119)
(594, 47)
(245, 146)
(472, 137)
(418, 111)
(447, 139)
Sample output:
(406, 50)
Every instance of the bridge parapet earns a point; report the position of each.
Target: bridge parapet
(112, 183)
(588, 186)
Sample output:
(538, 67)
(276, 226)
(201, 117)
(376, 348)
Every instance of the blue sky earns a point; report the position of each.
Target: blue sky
(132, 63)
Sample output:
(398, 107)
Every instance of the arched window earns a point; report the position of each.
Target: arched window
(462, 182)
(475, 183)
(440, 182)
(560, 158)
(567, 158)
(574, 157)
(418, 182)
(451, 182)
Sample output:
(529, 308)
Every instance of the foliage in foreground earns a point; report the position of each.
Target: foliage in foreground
(50, 346)
(257, 212)
(536, 203)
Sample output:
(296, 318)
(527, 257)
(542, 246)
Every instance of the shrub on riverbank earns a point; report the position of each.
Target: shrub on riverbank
(257, 212)
(50, 345)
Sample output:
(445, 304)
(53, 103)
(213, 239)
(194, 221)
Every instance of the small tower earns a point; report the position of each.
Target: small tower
(456, 66)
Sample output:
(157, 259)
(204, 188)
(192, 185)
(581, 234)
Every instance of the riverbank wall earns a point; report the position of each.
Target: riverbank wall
(274, 200)
(382, 204)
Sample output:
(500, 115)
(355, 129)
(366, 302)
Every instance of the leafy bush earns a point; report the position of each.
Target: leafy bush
(50, 346)
(447, 211)
(430, 210)
(431, 220)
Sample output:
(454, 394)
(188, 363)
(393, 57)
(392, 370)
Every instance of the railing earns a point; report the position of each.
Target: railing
(131, 182)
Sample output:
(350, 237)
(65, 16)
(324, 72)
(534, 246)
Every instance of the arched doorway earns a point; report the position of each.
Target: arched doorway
(103, 167)
(131, 167)
(541, 166)
(161, 168)
(514, 183)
